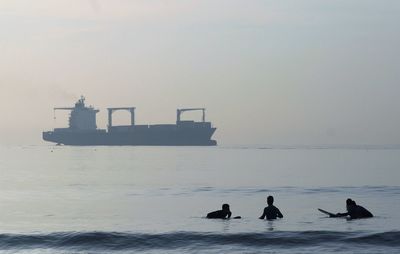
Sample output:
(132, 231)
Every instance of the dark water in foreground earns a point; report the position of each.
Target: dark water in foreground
(286, 242)
(153, 199)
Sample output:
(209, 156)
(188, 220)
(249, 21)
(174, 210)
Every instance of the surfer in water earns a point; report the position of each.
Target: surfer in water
(225, 213)
(271, 212)
(354, 211)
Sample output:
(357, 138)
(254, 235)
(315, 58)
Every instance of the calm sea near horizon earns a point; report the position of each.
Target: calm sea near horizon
(61, 199)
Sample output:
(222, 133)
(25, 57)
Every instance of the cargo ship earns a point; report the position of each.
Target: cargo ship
(83, 131)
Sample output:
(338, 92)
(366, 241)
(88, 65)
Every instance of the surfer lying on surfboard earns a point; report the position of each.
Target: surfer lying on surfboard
(354, 211)
(225, 213)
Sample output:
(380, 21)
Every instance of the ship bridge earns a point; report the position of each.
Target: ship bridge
(81, 117)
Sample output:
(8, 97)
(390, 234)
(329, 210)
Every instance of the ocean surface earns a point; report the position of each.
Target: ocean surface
(60, 199)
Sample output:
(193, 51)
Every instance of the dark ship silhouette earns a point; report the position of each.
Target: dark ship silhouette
(82, 130)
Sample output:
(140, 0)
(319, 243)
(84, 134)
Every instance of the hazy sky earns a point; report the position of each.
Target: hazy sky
(269, 72)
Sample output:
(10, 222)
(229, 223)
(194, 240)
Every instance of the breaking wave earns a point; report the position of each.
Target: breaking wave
(113, 241)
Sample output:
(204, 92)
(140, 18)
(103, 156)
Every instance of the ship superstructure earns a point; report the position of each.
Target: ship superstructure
(83, 130)
(82, 118)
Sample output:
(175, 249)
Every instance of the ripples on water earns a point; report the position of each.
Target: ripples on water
(119, 241)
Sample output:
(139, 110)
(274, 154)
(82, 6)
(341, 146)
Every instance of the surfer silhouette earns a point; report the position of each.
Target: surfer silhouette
(271, 212)
(354, 211)
(225, 213)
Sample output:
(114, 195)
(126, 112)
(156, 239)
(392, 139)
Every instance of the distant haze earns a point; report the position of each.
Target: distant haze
(268, 72)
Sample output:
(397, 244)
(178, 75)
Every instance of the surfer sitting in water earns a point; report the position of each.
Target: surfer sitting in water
(354, 211)
(225, 213)
(271, 212)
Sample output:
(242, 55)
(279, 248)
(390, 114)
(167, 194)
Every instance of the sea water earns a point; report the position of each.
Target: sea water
(60, 199)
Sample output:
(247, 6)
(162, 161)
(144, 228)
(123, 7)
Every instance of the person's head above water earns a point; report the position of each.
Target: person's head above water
(350, 204)
(225, 207)
(270, 200)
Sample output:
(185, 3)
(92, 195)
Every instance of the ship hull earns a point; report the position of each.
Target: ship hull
(184, 137)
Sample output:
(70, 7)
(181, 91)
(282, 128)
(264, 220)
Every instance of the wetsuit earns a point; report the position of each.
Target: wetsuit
(356, 212)
(220, 214)
(271, 212)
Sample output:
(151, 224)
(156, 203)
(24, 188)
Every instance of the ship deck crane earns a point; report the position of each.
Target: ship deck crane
(180, 111)
(80, 103)
(112, 110)
(54, 111)
(63, 108)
